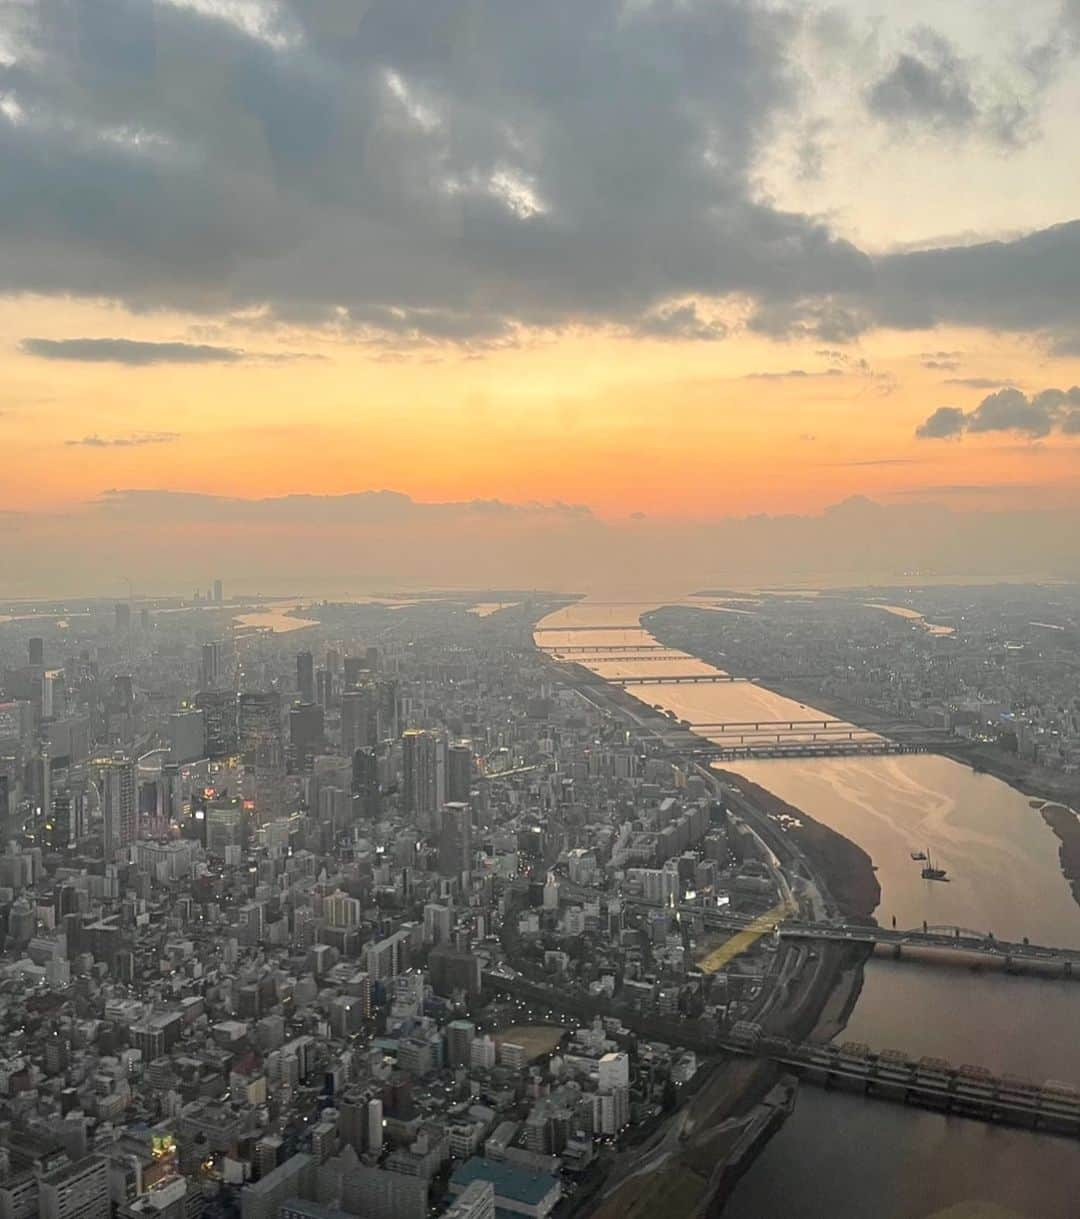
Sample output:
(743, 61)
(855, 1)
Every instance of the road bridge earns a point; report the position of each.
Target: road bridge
(1009, 953)
(577, 630)
(932, 1083)
(845, 747)
(635, 649)
(679, 679)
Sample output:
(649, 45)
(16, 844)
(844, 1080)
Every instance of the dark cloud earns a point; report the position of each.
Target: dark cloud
(1009, 410)
(129, 351)
(409, 179)
(135, 440)
(942, 365)
(945, 421)
(931, 85)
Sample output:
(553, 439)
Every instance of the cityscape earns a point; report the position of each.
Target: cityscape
(539, 609)
(420, 905)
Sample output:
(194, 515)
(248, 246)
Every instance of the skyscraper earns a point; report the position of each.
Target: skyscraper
(459, 772)
(210, 666)
(359, 719)
(115, 779)
(35, 652)
(305, 676)
(258, 716)
(423, 775)
(305, 733)
(455, 839)
(219, 714)
(365, 783)
(219, 592)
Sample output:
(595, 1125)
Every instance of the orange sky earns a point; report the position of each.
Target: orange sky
(666, 428)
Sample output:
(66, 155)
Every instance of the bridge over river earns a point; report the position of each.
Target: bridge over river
(931, 1083)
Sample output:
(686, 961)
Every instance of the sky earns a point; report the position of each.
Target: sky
(361, 293)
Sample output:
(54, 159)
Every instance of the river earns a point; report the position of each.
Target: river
(845, 1157)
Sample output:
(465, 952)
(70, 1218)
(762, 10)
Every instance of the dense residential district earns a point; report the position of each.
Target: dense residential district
(386, 923)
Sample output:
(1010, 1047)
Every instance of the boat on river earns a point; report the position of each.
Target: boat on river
(929, 872)
(918, 856)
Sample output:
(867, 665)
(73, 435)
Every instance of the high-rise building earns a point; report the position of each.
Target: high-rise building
(459, 772)
(225, 825)
(438, 921)
(76, 1191)
(376, 1193)
(359, 719)
(66, 823)
(341, 910)
(265, 1198)
(123, 618)
(460, 1034)
(476, 1201)
(219, 720)
(423, 774)
(35, 652)
(258, 716)
(305, 676)
(365, 783)
(219, 592)
(269, 778)
(115, 778)
(210, 666)
(455, 839)
(187, 736)
(305, 733)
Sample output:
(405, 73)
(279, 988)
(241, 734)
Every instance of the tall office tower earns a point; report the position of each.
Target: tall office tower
(324, 686)
(305, 676)
(455, 840)
(365, 783)
(422, 785)
(187, 736)
(269, 778)
(123, 618)
(356, 671)
(210, 666)
(219, 592)
(115, 779)
(333, 661)
(123, 691)
(258, 715)
(53, 694)
(76, 1191)
(35, 652)
(305, 733)
(359, 719)
(66, 822)
(219, 719)
(388, 708)
(459, 772)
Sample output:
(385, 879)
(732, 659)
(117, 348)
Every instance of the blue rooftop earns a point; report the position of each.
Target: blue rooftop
(510, 1182)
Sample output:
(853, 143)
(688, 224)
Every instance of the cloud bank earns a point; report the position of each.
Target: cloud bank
(1009, 410)
(410, 176)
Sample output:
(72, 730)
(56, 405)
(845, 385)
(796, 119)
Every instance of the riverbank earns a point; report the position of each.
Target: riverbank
(845, 870)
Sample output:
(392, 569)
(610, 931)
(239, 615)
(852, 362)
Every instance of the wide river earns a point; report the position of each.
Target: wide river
(842, 1156)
